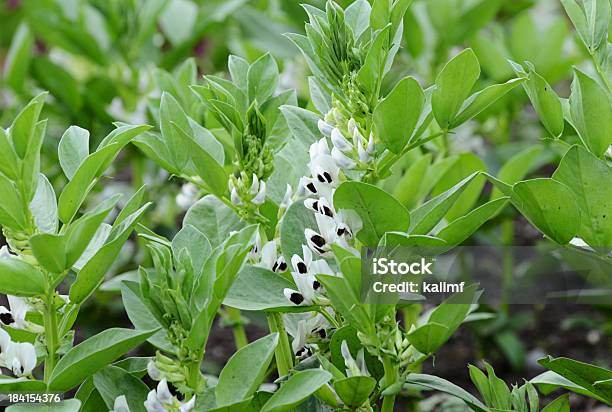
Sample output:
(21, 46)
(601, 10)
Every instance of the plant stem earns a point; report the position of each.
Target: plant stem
(390, 378)
(284, 355)
(50, 334)
(240, 337)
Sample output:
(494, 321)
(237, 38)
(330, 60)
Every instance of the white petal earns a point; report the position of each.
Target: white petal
(306, 255)
(261, 195)
(21, 356)
(352, 126)
(268, 254)
(324, 127)
(5, 340)
(289, 292)
(327, 227)
(364, 156)
(255, 185)
(187, 407)
(120, 404)
(342, 160)
(19, 309)
(321, 267)
(152, 404)
(371, 144)
(163, 393)
(234, 197)
(298, 265)
(339, 141)
(287, 198)
(153, 371)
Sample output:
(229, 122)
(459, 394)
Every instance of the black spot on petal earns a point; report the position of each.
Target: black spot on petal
(328, 177)
(310, 186)
(301, 267)
(316, 285)
(7, 318)
(321, 333)
(318, 240)
(296, 298)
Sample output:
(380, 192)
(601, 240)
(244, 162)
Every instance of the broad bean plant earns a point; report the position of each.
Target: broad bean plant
(282, 195)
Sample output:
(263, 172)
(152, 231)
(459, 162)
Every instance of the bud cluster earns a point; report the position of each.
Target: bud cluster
(351, 150)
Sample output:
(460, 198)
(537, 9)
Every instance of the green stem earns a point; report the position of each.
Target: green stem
(507, 262)
(601, 73)
(284, 354)
(194, 378)
(235, 317)
(390, 378)
(50, 334)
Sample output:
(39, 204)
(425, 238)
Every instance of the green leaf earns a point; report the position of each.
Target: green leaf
(296, 389)
(590, 179)
(11, 208)
(516, 168)
(297, 218)
(72, 150)
(18, 57)
(171, 112)
(453, 86)
(371, 72)
(395, 117)
(379, 211)
(211, 172)
(20, 278)
(460, 229)
(550, 381)
(238, 68)
(466, 164)
(477, 102)
(245, 371)
(68, 405)
(591, 19)
(428, 337)
(355, 390)
(23, 127)
(112, 382)
(50, 251)
(543, 98)
(427, 216)
(9, 163)
(92, 273)
(90, 356)
(195, 243)
(213, 218)
(550, 206)
(582, 374)
(407, 189)
(44, 206)
(591, 112)
(561, 404)
(258, 288)
(442, 385)
(82, 182)
(12, 385)
(141, 317)
(262, 78)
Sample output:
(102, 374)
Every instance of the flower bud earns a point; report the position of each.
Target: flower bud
(342, 160)
(324, 127)
(339, 141)
(261, 195)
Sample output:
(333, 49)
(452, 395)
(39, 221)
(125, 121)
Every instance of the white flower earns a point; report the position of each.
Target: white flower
(320, 205)
(16, 316)
(340, 142)
(324, 170)
(270, 258)
(342, 160)
(120, 404)
(354, 367)
(318, 148)
(307, 329)
(304, 271)
(287, 198)
(20, 358)
(324, 127)
(160, 398)
(348, 223)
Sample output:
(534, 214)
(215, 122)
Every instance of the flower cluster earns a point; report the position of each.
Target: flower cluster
(244, 190)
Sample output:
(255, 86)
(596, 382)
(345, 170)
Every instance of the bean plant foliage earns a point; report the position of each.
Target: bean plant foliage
(286, 192)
